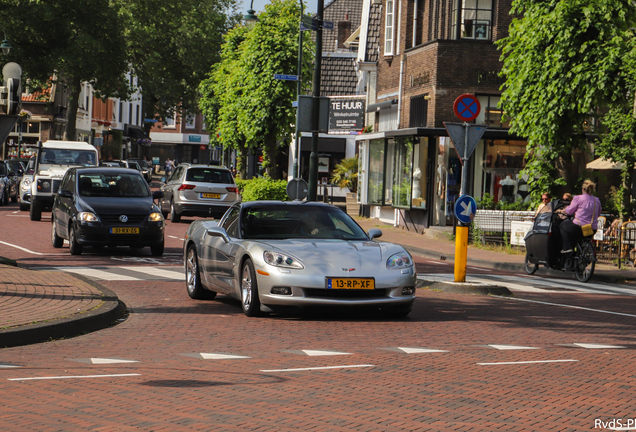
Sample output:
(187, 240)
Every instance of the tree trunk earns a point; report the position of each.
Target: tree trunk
(241, 162)
(74, 90)
(269, 157)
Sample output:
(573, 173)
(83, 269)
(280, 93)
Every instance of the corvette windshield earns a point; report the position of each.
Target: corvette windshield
(299, 222)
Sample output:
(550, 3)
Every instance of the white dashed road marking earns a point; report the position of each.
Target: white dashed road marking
(155, 271)
(319, 368)
(111, 361)
(98, 274)
(526, 362)
(72, 377)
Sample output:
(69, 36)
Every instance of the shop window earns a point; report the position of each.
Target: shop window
(420, 162)
(389, 170)
(388, 28)
(503, 161)
(376, 172)
(471, 19)
(418, 111)
(490, 115)
(403, 172)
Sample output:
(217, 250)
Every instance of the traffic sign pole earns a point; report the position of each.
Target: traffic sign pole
(466, 108)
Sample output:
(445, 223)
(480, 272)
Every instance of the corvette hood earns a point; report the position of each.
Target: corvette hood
(332, 256)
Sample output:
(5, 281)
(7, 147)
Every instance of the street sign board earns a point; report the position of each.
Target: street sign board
(295, 104)
(465, 209)
(297, 189)
(466, 107)
(285, 77)
(327, 25)
(308, 23)
(457, 134)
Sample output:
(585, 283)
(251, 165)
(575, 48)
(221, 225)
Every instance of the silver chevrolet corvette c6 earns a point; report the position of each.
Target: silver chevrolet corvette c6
(274, 254)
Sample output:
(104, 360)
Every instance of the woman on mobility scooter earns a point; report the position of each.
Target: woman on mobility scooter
(545, 241)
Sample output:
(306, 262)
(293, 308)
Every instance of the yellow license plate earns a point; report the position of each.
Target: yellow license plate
(124, 230)
(210, 195)
(350, 283)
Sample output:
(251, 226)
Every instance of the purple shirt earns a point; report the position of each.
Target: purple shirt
(585, 208)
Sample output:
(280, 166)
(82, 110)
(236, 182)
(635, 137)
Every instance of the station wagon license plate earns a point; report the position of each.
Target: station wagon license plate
(210, 195)
(350, 283)
(124, 230)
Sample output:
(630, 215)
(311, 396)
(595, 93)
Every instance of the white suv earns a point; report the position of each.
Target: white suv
(52, 161)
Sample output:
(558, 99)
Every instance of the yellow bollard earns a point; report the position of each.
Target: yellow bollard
(461, 252)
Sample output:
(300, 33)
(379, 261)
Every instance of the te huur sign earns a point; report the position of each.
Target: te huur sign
(346, 114)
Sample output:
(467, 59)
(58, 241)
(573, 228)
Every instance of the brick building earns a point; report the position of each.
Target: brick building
(415, 59)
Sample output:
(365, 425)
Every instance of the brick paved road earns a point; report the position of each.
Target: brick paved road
(171, 386)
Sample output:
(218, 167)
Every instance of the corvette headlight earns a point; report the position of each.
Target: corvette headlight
(87, 217)
(399, 260)
(155, 217)
(278, 259)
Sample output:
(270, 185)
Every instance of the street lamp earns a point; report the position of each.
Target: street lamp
(250, 19)
(6, 45)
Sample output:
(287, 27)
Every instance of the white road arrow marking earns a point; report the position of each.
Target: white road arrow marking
(111, 361)
(210, 356)
(597, 346)
(420, 350)
(511, 347)
(323, 353)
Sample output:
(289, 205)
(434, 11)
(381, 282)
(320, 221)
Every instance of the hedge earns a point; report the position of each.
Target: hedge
(263, 188)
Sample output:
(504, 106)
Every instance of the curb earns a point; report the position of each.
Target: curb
(103, 316)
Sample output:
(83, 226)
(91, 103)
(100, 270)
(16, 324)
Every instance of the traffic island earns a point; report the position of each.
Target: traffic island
(464, 288)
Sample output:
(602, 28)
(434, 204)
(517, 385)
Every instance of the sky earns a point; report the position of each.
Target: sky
(259, 5)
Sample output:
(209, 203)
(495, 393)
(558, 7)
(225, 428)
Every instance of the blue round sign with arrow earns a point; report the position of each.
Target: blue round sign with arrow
(465, 209)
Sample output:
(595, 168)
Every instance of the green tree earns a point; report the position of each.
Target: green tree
(562, 60)
(171, 46)
(70, 42)
(255, 110)
(221, 100)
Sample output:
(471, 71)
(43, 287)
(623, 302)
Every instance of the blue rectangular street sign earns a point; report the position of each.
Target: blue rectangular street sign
(286, 77)
(295, 104)
(327, 25)
(308, 23)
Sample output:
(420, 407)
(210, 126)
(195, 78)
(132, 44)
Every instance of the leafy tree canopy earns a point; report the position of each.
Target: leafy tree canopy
(562, 60)
(249, 106)
(171, 46)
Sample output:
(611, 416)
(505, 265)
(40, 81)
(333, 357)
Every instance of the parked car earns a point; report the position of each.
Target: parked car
(273, 254)
(11, 183)
(114, 164)
(146, 170)
(103, 206)
(198, 190)
(25, 185)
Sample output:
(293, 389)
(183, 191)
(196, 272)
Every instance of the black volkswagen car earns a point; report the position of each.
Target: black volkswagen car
(104, 206)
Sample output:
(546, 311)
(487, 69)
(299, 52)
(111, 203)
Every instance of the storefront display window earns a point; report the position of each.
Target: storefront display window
(376, 171)
(420, 162)
(402, 172)
(389, 167)
(503, 161)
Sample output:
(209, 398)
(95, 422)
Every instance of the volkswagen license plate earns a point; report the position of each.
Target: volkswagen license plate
(350, 283)
(210, 195)
(124, 230)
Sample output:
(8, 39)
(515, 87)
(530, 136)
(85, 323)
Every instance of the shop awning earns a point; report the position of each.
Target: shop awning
(381, 105)
(604, 164)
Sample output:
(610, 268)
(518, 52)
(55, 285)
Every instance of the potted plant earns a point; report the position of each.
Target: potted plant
(345, 175)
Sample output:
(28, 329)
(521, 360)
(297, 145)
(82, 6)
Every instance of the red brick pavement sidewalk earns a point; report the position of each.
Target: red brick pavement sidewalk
(40, 305)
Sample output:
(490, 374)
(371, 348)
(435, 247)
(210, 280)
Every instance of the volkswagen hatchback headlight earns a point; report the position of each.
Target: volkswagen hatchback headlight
(87, 217)
(399, 260)
(155, 217)
(278, 259)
